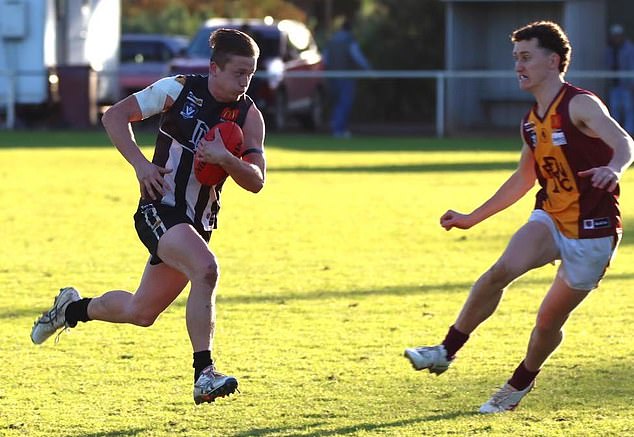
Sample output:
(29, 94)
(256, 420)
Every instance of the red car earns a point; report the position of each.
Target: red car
(288, 82)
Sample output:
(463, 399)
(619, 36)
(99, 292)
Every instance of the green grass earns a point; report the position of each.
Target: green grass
(327, 275)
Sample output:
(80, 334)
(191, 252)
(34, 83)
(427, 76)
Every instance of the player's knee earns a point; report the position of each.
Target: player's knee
(145, 320)
(500, 274)
(208, 274)
(142, 317)
(548, 323)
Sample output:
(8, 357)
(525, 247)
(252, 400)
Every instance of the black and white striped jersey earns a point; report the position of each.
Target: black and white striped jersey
(193, 113)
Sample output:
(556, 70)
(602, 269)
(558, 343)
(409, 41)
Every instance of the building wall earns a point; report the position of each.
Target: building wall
(478, 39)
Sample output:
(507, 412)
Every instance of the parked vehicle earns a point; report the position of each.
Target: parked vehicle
(144, 58)
(286, 47)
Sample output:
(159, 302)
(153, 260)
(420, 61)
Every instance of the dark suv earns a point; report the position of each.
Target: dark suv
(144, 59)
(286, 47)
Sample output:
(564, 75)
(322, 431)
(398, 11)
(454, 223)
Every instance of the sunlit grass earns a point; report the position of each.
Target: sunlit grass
(327, 275)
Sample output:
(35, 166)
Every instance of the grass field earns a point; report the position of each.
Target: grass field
(327, 275)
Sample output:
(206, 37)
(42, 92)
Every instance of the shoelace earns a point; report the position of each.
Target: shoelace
(64, 329)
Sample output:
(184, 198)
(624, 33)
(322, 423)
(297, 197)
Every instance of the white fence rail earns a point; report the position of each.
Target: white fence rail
(8, 94)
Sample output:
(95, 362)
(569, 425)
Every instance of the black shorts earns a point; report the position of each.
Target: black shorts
(152, 221)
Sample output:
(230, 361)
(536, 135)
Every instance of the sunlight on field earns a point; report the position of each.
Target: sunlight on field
(327, 275)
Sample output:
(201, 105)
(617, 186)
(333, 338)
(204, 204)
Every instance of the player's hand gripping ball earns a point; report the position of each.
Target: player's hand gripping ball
(231, 134)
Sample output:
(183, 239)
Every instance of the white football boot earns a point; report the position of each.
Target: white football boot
(505, 399)
(211, 385)
(54, 319)
(433, 358)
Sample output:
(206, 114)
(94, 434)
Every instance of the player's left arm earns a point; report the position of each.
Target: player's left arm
(249, 170)
(592, 117)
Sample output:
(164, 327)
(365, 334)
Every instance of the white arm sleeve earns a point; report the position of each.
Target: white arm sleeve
(152, 99)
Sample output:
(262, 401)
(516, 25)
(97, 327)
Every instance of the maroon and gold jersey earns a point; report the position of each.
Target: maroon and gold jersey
(561, 150)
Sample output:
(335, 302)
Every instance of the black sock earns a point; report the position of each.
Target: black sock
(454, 341)
(522, 377)
(77, 312)
(202, 359)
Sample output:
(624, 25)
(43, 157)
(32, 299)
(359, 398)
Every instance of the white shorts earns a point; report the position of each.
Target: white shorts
(583, 261)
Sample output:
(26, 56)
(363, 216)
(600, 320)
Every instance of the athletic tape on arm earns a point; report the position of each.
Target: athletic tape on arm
(152, 99)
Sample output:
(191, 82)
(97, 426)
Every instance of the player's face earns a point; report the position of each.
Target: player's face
(230, 82)
(533, 64)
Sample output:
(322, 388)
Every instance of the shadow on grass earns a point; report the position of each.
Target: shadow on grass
(315, 142)
(287, 430)
(382, 427)
(120, 432)
(401, 168)
(394, 143)
(65, 139)
(280, 298)
(397, 290)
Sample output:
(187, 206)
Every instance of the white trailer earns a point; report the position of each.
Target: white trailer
(46, 44)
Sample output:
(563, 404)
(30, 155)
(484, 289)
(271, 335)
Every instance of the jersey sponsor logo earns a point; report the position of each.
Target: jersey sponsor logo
(559, 139)
(596, 223)
(557, 173)
(191, 106)
(229, 114)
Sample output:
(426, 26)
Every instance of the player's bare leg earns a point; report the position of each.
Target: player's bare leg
(182, 248)
(547, 334)
(532, 246)
(188, 252)
(159, 286)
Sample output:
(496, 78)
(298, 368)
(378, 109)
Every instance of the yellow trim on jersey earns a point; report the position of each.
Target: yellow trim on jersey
(562, 201)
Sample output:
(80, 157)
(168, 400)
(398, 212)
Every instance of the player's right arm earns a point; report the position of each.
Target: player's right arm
(513, 189)
(154, 99)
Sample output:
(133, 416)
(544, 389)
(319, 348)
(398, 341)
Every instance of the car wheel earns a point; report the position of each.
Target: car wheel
(314, 119)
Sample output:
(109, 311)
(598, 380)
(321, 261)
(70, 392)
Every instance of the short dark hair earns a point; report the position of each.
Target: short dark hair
(550, 36)
(225, 43)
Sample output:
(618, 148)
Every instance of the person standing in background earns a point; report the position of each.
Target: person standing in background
(620, 57)
(343, 53)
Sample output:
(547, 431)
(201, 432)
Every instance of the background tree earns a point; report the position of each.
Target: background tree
(185, 16)
(401, 35)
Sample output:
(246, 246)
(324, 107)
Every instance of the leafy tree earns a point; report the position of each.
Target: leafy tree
(401, 35)
(185, 16)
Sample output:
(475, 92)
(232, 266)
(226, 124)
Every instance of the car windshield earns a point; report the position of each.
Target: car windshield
(143, 51)
(267, 40)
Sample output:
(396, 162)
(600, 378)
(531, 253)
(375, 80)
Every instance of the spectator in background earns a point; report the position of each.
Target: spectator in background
(620, 57)
(343, 53)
